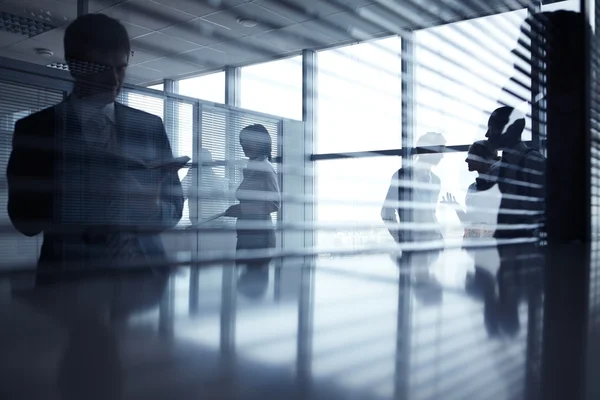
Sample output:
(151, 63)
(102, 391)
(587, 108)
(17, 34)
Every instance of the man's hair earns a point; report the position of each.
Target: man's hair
(431, 139)
(483, 149)
(94, 32)
(510, 120)
(260, 134)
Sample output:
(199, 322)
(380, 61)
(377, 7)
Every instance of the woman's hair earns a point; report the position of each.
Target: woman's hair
(261, 137)
(431, 139)
(483, 149)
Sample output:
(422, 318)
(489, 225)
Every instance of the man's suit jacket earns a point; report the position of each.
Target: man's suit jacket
(57, 185)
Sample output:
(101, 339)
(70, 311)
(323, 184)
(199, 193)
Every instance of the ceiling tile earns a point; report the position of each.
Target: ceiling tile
(245, 50)
(172, 66)
(209, 57)
(351, 25)
(194, 7)
(300, 10)
(197, 31)
(56, 13)
(147, 14)
(99, 5)
(162, 44)
(135, 31)
(141, 56)
(267, 20)
(143, 74)
(29, 47)
(53, 39)
(29, 57)
(8, 38)
(295, 37)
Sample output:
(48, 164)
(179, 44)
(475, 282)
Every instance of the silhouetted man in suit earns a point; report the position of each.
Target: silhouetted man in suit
(76, 170)
(520, 175)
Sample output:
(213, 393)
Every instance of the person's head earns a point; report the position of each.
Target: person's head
(505, 127)
(256, 142)
(432, 144)
(97, 50)
(481, 156)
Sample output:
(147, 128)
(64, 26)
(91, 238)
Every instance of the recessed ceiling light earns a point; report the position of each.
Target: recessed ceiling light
(44, 52)
(247, 22)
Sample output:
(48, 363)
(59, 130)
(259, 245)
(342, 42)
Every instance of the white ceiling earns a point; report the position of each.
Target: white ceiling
(178, 38)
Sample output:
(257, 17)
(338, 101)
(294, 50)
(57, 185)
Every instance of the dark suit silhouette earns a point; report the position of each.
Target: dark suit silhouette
(59, 185)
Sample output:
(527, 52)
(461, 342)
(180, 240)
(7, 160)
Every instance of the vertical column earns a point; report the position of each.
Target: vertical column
(232, 86)
(232, 98)
(567, 45)
(82, 7)
(228, 312)
(169, 117)
(197, 181)
(402, 364)
(305, 328)
(309, 116)
(166, 311)
(170, 85)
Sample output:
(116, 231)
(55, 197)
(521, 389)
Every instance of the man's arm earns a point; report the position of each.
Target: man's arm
(29, 180)
(389, 213)
(170, 202)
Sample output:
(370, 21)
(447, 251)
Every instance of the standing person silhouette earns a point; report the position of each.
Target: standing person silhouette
(425, 187)
(259, 197)
(480, 213)
(69, 173)
(520, 175)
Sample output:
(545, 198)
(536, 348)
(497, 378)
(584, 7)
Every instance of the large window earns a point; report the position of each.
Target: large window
(463, 72)
(359, 109)
(359, 97)
(273, 88)
(209, 87)
(350, 193)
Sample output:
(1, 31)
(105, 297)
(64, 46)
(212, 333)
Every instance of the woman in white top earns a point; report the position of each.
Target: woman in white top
(258, 196)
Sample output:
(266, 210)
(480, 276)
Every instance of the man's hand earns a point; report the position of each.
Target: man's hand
(235, 211)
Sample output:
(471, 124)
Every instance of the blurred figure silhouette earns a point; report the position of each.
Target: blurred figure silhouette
(93, 206)
(480, 214)
(91, 311)
(253, 283)
(518, 278)
(520, 175)
(258, 197)
(211, 193)
(417, 221)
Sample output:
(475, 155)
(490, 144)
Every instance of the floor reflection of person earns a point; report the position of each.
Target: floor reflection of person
(424, 186)
(259, 197)
(91, 313)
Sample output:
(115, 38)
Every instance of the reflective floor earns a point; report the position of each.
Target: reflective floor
(426, 327)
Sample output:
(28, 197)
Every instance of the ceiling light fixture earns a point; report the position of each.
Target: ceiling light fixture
(44, 52)
(247, 22)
